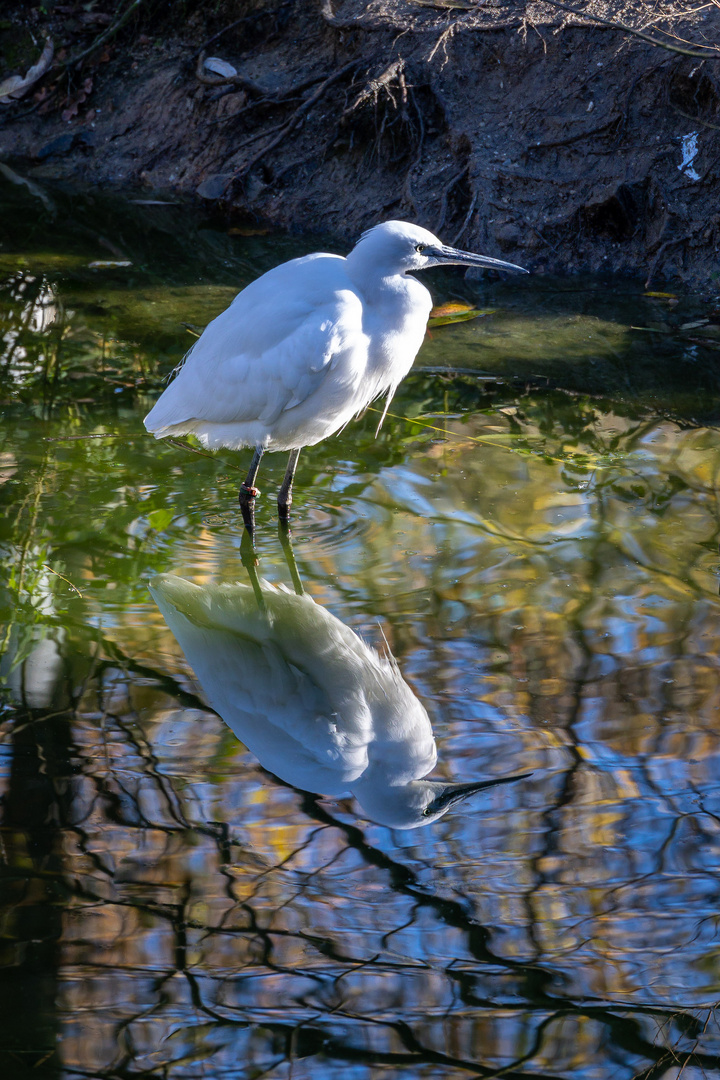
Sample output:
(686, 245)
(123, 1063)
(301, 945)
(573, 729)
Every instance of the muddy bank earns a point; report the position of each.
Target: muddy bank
(529, 131)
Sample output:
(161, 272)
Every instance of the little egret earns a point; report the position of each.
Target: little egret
(307, 347)
(310, 700)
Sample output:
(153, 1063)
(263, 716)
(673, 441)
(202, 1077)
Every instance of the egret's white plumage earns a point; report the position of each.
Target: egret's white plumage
(306, 347)
(309, 699)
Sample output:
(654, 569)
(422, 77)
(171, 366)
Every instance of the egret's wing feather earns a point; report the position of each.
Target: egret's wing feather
(269, 351)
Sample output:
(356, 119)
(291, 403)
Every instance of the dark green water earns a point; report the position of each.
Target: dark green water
(534, 539)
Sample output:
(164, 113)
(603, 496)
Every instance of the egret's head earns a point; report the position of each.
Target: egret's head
(397, 246)
(417, 802)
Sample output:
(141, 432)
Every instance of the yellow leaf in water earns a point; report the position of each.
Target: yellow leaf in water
(662, 295)
(450, 308)
(454, 312)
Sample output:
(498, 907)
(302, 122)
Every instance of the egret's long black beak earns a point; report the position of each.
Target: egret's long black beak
(448, 256)
(455, 792)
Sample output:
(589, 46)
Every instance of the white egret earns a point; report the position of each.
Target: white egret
(305, 348)
(310, 700)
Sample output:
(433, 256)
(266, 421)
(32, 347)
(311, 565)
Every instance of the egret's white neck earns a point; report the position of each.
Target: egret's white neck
(374, 281)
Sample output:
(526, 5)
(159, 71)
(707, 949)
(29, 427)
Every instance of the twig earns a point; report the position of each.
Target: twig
(373, 86)
(466, 222)
(201, 453)
(660, 251)
(257, 135)
(220, 33)
(573, 138)
(625, 29)
(407, 185)
(238, 22)
(445, 194)
(442, 38)
(80, 438)
(695, 44)
(106, 34)
(243, 83)
(44, 101)
(695, 119)
(226, 80)
(296, 117)
(66, 580)
(538, 233)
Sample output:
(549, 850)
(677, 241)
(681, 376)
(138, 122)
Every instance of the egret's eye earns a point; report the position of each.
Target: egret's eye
(420, 248)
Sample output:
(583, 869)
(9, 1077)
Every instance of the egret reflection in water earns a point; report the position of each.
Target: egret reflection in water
(317, 706)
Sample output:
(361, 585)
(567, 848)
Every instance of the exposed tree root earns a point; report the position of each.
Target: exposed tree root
(295, 118)
(565, 150)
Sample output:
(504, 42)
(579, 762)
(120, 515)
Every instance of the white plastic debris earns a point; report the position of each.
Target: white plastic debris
(689, 148)
(217, 66)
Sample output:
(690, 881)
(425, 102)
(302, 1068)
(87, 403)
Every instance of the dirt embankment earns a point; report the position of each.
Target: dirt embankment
(570, 137)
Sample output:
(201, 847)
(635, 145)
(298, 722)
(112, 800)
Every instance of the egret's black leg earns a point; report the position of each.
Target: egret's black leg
(285, 493)
(250, 562)
(284, 534)
(248, 491)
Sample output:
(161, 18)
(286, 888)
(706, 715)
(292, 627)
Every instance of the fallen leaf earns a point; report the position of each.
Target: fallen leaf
(15, 86)
(159, 519)
(694, 325)
(9, 88)
(450, 308)
(455, 313)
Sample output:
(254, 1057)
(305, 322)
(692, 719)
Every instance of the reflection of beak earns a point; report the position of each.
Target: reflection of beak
(451, 256)
(455, 792)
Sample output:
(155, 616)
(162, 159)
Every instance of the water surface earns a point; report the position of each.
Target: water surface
(532, 537)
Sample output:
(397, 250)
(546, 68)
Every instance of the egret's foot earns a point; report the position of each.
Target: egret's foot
(246, 499)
